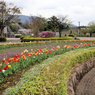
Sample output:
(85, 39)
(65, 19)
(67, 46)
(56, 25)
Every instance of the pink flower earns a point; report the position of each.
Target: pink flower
(6, 63)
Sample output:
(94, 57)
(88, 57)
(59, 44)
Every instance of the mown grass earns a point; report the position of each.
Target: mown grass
(52, 79)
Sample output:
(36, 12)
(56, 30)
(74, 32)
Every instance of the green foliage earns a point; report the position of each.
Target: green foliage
(24, 25)
(58, 23)
(14, 28)
(52, 23)
(71, 35)
(83, 32)
(43, 26)
(73, 32)
(3, 39)
(47, 39)
(18, 36)
(91, 28)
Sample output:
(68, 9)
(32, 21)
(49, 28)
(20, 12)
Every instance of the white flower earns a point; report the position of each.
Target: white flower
(33, 56)
(3, 71)
(58, 47)
(51, 49)
(64, 46)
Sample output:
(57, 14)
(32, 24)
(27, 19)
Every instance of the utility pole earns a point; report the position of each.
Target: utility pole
(79, 29)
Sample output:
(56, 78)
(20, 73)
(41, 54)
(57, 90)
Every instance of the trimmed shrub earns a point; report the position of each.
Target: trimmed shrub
(46, 39)
(71, 35)
(3, 39)
(46, 34)
(18, 36)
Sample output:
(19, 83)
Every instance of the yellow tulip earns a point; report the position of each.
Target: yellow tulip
(9, 66)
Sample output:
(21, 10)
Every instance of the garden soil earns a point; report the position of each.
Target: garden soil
(87, 84)
(82, 79)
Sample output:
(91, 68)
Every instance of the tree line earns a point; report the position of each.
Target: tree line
(9, 16)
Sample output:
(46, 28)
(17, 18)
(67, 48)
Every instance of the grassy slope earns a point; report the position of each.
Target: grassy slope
(52, 78)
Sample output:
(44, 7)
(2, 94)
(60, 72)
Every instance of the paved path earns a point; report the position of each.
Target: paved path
(86, 38)
(12, 40)
(18, 39)
(87, 84)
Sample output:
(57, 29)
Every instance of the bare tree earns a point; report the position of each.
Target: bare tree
(63, 23)
(35, 23)
(8, 14)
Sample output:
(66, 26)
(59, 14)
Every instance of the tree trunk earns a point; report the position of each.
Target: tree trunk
(59, 33)
(90, 34)
(55, 31)
(1, 32)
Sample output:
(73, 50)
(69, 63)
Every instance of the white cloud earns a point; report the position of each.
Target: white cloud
(77, 10)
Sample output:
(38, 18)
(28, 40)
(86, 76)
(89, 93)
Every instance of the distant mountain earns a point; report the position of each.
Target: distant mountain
(24, 18)
(72, 25)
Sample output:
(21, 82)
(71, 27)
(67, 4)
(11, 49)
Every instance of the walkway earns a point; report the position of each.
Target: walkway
(18, 39)
(12, 40)
(86, 38)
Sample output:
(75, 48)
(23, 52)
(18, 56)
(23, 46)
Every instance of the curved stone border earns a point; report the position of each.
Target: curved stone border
(77, 74)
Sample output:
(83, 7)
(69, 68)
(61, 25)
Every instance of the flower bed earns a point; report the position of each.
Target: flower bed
(11, 65)
(14, 64)
(23, 44)
(52, 79)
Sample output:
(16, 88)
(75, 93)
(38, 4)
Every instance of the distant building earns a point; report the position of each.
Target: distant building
(57, 34)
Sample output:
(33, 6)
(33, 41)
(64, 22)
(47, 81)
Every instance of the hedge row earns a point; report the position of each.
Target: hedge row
(3, 39)
(46, 39)
(71, 35)
(18, 36)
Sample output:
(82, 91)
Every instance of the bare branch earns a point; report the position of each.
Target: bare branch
(8, 14)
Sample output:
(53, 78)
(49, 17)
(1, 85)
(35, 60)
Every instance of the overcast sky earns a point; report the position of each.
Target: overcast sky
(82, 11)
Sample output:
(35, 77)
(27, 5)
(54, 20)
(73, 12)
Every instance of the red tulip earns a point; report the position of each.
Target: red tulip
(50, 52)
(8, 59)
(3, 60)
(0, 69)
(5, 68)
